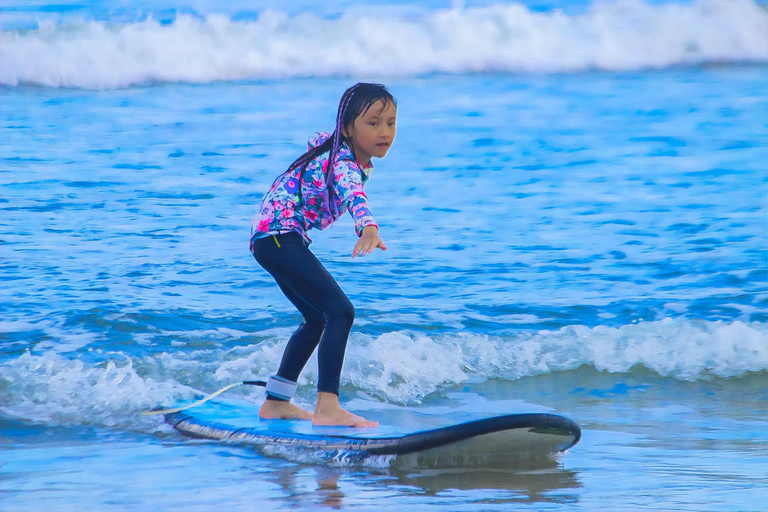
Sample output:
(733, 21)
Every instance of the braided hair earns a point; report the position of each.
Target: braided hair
(355, 102)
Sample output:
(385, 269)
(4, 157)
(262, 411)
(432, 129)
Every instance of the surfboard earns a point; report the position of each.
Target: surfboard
(421, 439)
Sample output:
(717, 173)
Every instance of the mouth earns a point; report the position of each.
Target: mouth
(383, 144)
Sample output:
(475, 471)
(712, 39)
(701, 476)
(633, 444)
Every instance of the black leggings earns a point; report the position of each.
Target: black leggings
(328, 314)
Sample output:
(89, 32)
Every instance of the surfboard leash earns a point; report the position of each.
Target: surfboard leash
(202, 401)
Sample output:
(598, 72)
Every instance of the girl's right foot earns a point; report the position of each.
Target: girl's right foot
(279, 410)
(328, 412)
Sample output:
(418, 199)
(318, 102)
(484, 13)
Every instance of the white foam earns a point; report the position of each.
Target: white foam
(679, 349)
(17, 326)
(620, 35)
(51, 388)
(405, 368)
(396, 368)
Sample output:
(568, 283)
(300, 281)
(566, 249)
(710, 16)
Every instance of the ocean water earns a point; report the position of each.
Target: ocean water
(575, 208)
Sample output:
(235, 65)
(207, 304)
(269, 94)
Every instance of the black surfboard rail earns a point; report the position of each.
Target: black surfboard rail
(539, 423)
(435, 438)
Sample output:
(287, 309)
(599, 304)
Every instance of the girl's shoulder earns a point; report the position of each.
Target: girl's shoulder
(344, 156)
(317, 138)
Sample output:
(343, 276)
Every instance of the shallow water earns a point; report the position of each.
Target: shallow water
(587, 243)
(643, 448)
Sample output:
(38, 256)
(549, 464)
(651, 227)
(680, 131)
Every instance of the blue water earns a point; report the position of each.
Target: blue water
(585, 236)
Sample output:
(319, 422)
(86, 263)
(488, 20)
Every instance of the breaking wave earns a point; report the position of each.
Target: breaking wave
(76, 386)
(509, 38)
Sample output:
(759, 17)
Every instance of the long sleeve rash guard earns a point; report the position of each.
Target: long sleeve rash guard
(285, 208)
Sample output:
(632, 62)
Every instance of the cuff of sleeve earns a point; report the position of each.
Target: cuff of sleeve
(363, 225)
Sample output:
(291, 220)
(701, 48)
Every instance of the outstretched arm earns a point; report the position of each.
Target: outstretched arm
(349, 187)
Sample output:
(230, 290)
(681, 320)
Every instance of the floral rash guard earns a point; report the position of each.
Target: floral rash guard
(283, 210)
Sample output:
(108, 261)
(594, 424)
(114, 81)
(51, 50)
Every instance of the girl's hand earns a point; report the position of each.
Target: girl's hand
(368, 242)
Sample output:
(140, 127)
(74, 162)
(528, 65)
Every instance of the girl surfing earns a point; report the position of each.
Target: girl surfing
(317, 189)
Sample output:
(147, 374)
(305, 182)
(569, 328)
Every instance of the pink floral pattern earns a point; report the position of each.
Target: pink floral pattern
(280, 209)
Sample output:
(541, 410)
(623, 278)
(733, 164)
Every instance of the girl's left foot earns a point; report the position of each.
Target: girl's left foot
(279, 410)
(328, 412)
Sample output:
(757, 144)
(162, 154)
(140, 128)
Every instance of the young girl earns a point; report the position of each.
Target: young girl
(314, 192)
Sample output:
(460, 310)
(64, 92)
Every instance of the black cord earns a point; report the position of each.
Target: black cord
(255, 383)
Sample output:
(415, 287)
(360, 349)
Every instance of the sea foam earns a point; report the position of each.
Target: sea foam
(112, 388)
(508, 38)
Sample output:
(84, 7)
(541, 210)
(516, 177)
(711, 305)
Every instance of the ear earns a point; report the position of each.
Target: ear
(348, 133)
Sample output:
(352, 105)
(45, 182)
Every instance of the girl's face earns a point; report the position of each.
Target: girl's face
(373, 132)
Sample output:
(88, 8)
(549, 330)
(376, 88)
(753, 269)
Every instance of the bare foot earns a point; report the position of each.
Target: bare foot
(278, 410)
(328, 412)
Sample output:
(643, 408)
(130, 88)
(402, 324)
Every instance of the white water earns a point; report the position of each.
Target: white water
(621, 35)
(111, 388)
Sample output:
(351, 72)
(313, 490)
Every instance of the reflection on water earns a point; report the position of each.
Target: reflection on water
(534, 481)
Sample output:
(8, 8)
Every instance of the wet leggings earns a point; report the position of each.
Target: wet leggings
(328, 314)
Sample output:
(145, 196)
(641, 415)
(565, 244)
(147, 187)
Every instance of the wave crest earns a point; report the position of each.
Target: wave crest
(397, 367)
(624, 35)
(405, 368)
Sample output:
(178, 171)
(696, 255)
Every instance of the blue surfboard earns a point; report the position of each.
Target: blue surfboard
(420, 439)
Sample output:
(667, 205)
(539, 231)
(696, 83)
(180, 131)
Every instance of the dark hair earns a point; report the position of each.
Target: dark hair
(354, 103)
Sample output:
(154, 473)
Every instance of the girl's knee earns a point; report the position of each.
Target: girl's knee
(344, 311)
(349, 312)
